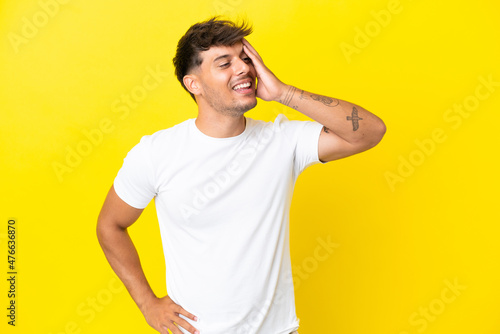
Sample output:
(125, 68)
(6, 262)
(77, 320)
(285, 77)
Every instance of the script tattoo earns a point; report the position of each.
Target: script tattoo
(288, 96)
(327, 101)
(354, 118)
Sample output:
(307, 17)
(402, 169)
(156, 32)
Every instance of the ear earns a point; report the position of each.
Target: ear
(192, 83)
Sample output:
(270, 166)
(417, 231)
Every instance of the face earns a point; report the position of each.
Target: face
(226, 78)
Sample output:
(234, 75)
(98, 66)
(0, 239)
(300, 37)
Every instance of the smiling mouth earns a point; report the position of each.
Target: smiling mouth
(243, 88)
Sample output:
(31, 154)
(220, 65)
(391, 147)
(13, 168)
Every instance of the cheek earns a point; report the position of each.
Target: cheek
(220, 79)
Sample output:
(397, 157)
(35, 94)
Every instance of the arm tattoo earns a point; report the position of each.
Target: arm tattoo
(327, 130)
(327, 101)
(289, 95)
(354, 118)
(302, 96)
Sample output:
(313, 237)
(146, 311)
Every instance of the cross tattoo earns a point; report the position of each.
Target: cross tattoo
(354, 118)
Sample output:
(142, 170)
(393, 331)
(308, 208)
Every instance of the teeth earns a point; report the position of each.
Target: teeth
(240, 86)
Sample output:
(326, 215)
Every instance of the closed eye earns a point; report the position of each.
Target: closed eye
(247, 60)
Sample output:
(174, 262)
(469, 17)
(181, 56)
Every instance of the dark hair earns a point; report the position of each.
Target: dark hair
(200, 37)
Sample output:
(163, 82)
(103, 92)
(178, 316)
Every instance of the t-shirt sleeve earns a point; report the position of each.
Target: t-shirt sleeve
(306, 151)
(304, 136)
(134, 183)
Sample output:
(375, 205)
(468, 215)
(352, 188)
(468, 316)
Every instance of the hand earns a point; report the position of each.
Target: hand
(269, 87)
(163, 313)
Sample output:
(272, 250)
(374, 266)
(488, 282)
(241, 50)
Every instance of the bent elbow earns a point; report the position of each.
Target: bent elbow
(381, 130)
(377, 133)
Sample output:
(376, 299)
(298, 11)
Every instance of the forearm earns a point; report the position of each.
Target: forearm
(349, 121)
(124, 260)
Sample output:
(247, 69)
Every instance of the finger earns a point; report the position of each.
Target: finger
(186, 325)
(173, 328)
(252, 56)
(185, 313)
(257, 62)
(164, 329)
(250, 48)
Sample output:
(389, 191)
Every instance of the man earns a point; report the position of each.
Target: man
(222, 185)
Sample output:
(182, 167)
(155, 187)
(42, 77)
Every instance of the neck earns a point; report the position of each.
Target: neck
(217, 125)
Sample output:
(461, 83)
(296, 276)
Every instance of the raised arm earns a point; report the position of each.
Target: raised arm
(348, 128)
(114, 219)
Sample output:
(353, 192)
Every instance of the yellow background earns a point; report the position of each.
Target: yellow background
(402, 234)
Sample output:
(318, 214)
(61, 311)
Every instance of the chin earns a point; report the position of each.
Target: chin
(242, 108)
(252, 104)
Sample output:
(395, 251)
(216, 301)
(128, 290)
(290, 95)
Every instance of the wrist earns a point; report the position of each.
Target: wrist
(286, 95)
(283, 92)
(146, 302)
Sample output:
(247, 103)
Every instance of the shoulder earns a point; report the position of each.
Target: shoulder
(171, 132)
(292, 128)
(161, 138)
(281, 122)
(160, 141)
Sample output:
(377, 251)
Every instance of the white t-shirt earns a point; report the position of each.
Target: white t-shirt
(223, 208)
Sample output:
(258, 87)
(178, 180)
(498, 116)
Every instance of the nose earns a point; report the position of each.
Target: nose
(241, 67)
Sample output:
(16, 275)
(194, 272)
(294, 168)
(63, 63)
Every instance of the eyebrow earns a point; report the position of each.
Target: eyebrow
(220, 57)
(226, 56)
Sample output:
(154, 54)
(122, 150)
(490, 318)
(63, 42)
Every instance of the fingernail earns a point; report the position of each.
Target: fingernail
(195, 318)
(197, 332)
